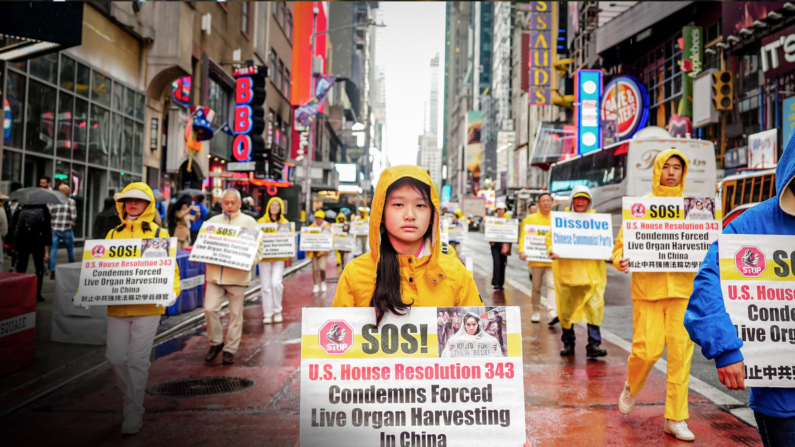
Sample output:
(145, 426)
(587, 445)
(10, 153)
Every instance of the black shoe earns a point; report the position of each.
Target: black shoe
(554, 322)
(52, 274)
(594, 351)
(40, 299)
(228, 358)
(213, 352)
(567, 350)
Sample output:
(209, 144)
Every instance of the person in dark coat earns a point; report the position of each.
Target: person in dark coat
(107, 219)
(216, 210)
(33, 236)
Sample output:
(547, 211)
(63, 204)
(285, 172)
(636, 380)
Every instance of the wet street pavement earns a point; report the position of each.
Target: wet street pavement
(569, 401)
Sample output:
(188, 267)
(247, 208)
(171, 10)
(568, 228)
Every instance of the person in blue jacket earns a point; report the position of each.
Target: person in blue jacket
(711, 328)
(202, 211)
(160, 208)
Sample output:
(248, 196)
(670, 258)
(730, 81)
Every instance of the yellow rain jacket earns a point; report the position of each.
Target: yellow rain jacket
(311, 254)
(534, 219)
(430, 281)
(134, 230)
(579, 283)
(267, 219)
(659, 301)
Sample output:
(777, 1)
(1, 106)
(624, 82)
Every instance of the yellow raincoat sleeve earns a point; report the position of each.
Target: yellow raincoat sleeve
(549, 243)
(177, 281)
(344, 295)
(468, 295)
(521, 235)
(618, 250)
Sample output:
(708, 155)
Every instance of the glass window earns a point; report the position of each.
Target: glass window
(126, 150)
(280, 76)
(244, 18)
(78, 194)
(45, 67)
(15, 97)
(80, 130)
(289, 23)
(21, 66)
(129, 102)
(118, 97)
(100, 89)
(287, 84)
(67, 71)
(61, 176)
(83, 79)
(219, 99)
(114, 183)
(12, 170)
(40, 118)
(138, 145)
(63, 131)
(273, 72)
(139, 106)
(99, 135)
(116, 141)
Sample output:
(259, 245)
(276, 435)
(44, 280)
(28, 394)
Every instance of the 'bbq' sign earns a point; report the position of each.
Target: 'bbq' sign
(249, 113)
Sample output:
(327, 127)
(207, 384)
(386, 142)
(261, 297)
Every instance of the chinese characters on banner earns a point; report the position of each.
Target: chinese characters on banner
(436, 376)
(668, 234)
(226, 245)
(543, 26)
(757, 283)
(501, 230)
(127, 271)
(582, 235)
(278, 240)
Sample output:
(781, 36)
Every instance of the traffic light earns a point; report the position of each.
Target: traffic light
(722, 90)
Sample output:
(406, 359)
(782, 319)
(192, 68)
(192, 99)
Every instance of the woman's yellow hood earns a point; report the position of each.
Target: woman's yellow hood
(266, 218)
(341, 218)
(389, 176)
(667, 191)
(149, 213)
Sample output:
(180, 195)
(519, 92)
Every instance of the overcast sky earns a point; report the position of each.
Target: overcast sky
(413, 36)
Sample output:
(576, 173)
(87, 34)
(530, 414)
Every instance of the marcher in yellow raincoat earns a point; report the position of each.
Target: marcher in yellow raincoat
(361, 240)
(340, 219)
(579, 287)
(659, 301)
(405, 267)
(540, 270)
(271, 270)
(132, 327)
(319, 258)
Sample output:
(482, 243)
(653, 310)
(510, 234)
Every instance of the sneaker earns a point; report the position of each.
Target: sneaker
(553, 319)
(536, 317)
(52, 274)
(316, 289)
(567, 350)
(133, 423)
(679, 430)
(626, 401)
(277, 318)
(595, 351)
(323, 287)
(267, 320)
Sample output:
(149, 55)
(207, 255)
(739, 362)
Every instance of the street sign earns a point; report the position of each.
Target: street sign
(242, 166)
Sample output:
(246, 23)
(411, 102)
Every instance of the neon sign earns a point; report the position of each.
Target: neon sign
(249, 118)
(588, 94)
(626, 103)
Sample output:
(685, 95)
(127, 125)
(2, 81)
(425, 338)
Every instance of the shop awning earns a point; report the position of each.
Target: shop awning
(30, 29)
(633, 21)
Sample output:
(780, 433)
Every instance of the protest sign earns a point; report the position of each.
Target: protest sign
(338, 228)
(316, 239)
(360, 228)
(455, 232)
(434, 377)
(344, 242)
(535, 245)
(501, 230)
(444, 226)
(278, 240)
(127, 271)
(668, 234)
(582, 235)
(226, 245)
(758, 285)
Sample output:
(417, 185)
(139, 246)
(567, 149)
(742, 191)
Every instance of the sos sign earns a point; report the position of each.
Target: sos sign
(249, 119)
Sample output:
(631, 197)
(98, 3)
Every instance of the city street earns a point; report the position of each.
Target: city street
(569, 401)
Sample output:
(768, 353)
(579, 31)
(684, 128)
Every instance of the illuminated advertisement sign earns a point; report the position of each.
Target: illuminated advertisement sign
(542, 43)
(249, 121)
(588, 94)
(625, 103)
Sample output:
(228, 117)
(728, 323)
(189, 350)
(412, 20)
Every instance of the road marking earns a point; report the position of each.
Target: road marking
(713, 394)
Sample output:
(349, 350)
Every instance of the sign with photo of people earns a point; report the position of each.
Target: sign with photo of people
(435, 376)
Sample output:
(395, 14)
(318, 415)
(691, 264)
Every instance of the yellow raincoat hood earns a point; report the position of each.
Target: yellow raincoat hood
(147, 216)
(341, 218)
(266, 218)
(659, 190)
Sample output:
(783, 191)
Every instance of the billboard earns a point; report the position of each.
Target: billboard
(474, 147)
(346, 171)
(626, 103)
(543, 26)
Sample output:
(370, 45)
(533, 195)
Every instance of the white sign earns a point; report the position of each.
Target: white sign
(316, 239)
(582, 235)
(413, 380)
(338, 228)
(762, 149)
(127, 271)
(757, 280)
(443, 228)
(278, 240)
(455, 231)
(360, 227)
(501, 230)
(344, 242)
(535, 246)
(668, 234)
(241, 166)
(18, 323)
(226, 245)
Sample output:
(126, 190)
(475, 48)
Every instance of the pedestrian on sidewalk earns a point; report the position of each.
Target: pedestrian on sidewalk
(319, 258)
(132, 328)
(499, 254)
(3, 231)
(710, 326)
(227, 283)
(361, 240)
(179, 216)
(540, 271)
(659, 300)
(271, 270)
(64, 216)
(32, 237)
(406, 259)
(199, 213)
(107, 219)
(579, 287)
(342, 255)
(11, 208)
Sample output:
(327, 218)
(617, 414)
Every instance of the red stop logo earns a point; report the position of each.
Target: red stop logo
(335, 337)
(750, 261)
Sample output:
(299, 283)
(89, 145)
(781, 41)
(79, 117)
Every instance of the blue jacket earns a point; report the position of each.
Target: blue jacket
(706, 319)
(196, 225)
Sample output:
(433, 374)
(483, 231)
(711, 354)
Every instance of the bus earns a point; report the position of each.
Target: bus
(742, 191)
(625, 169)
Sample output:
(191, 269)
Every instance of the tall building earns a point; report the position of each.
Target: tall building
(429, 156)
(482, 40)
(434, 103)
(457, 95)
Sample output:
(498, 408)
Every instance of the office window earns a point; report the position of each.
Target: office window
(288, 28)
(244, 23)
(280, 79)
(287, 84)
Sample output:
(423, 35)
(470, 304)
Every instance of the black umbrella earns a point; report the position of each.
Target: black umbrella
(190, 192)
(159, 197)
(38, 196)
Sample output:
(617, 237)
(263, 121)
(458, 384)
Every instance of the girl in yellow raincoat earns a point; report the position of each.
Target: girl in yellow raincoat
(659, 301)
(319, 258)
(271, 270)
(404, 267)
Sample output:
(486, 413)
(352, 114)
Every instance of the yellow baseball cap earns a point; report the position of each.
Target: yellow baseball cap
(582, 194)
(320, 213)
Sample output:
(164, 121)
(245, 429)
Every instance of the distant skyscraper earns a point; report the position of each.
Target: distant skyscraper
(434, 115)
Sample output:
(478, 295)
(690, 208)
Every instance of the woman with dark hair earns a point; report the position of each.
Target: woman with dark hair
(178, 217)
(472, 340)
(404, 267)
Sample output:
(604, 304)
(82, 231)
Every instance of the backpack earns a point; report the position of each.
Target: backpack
(30, 224)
